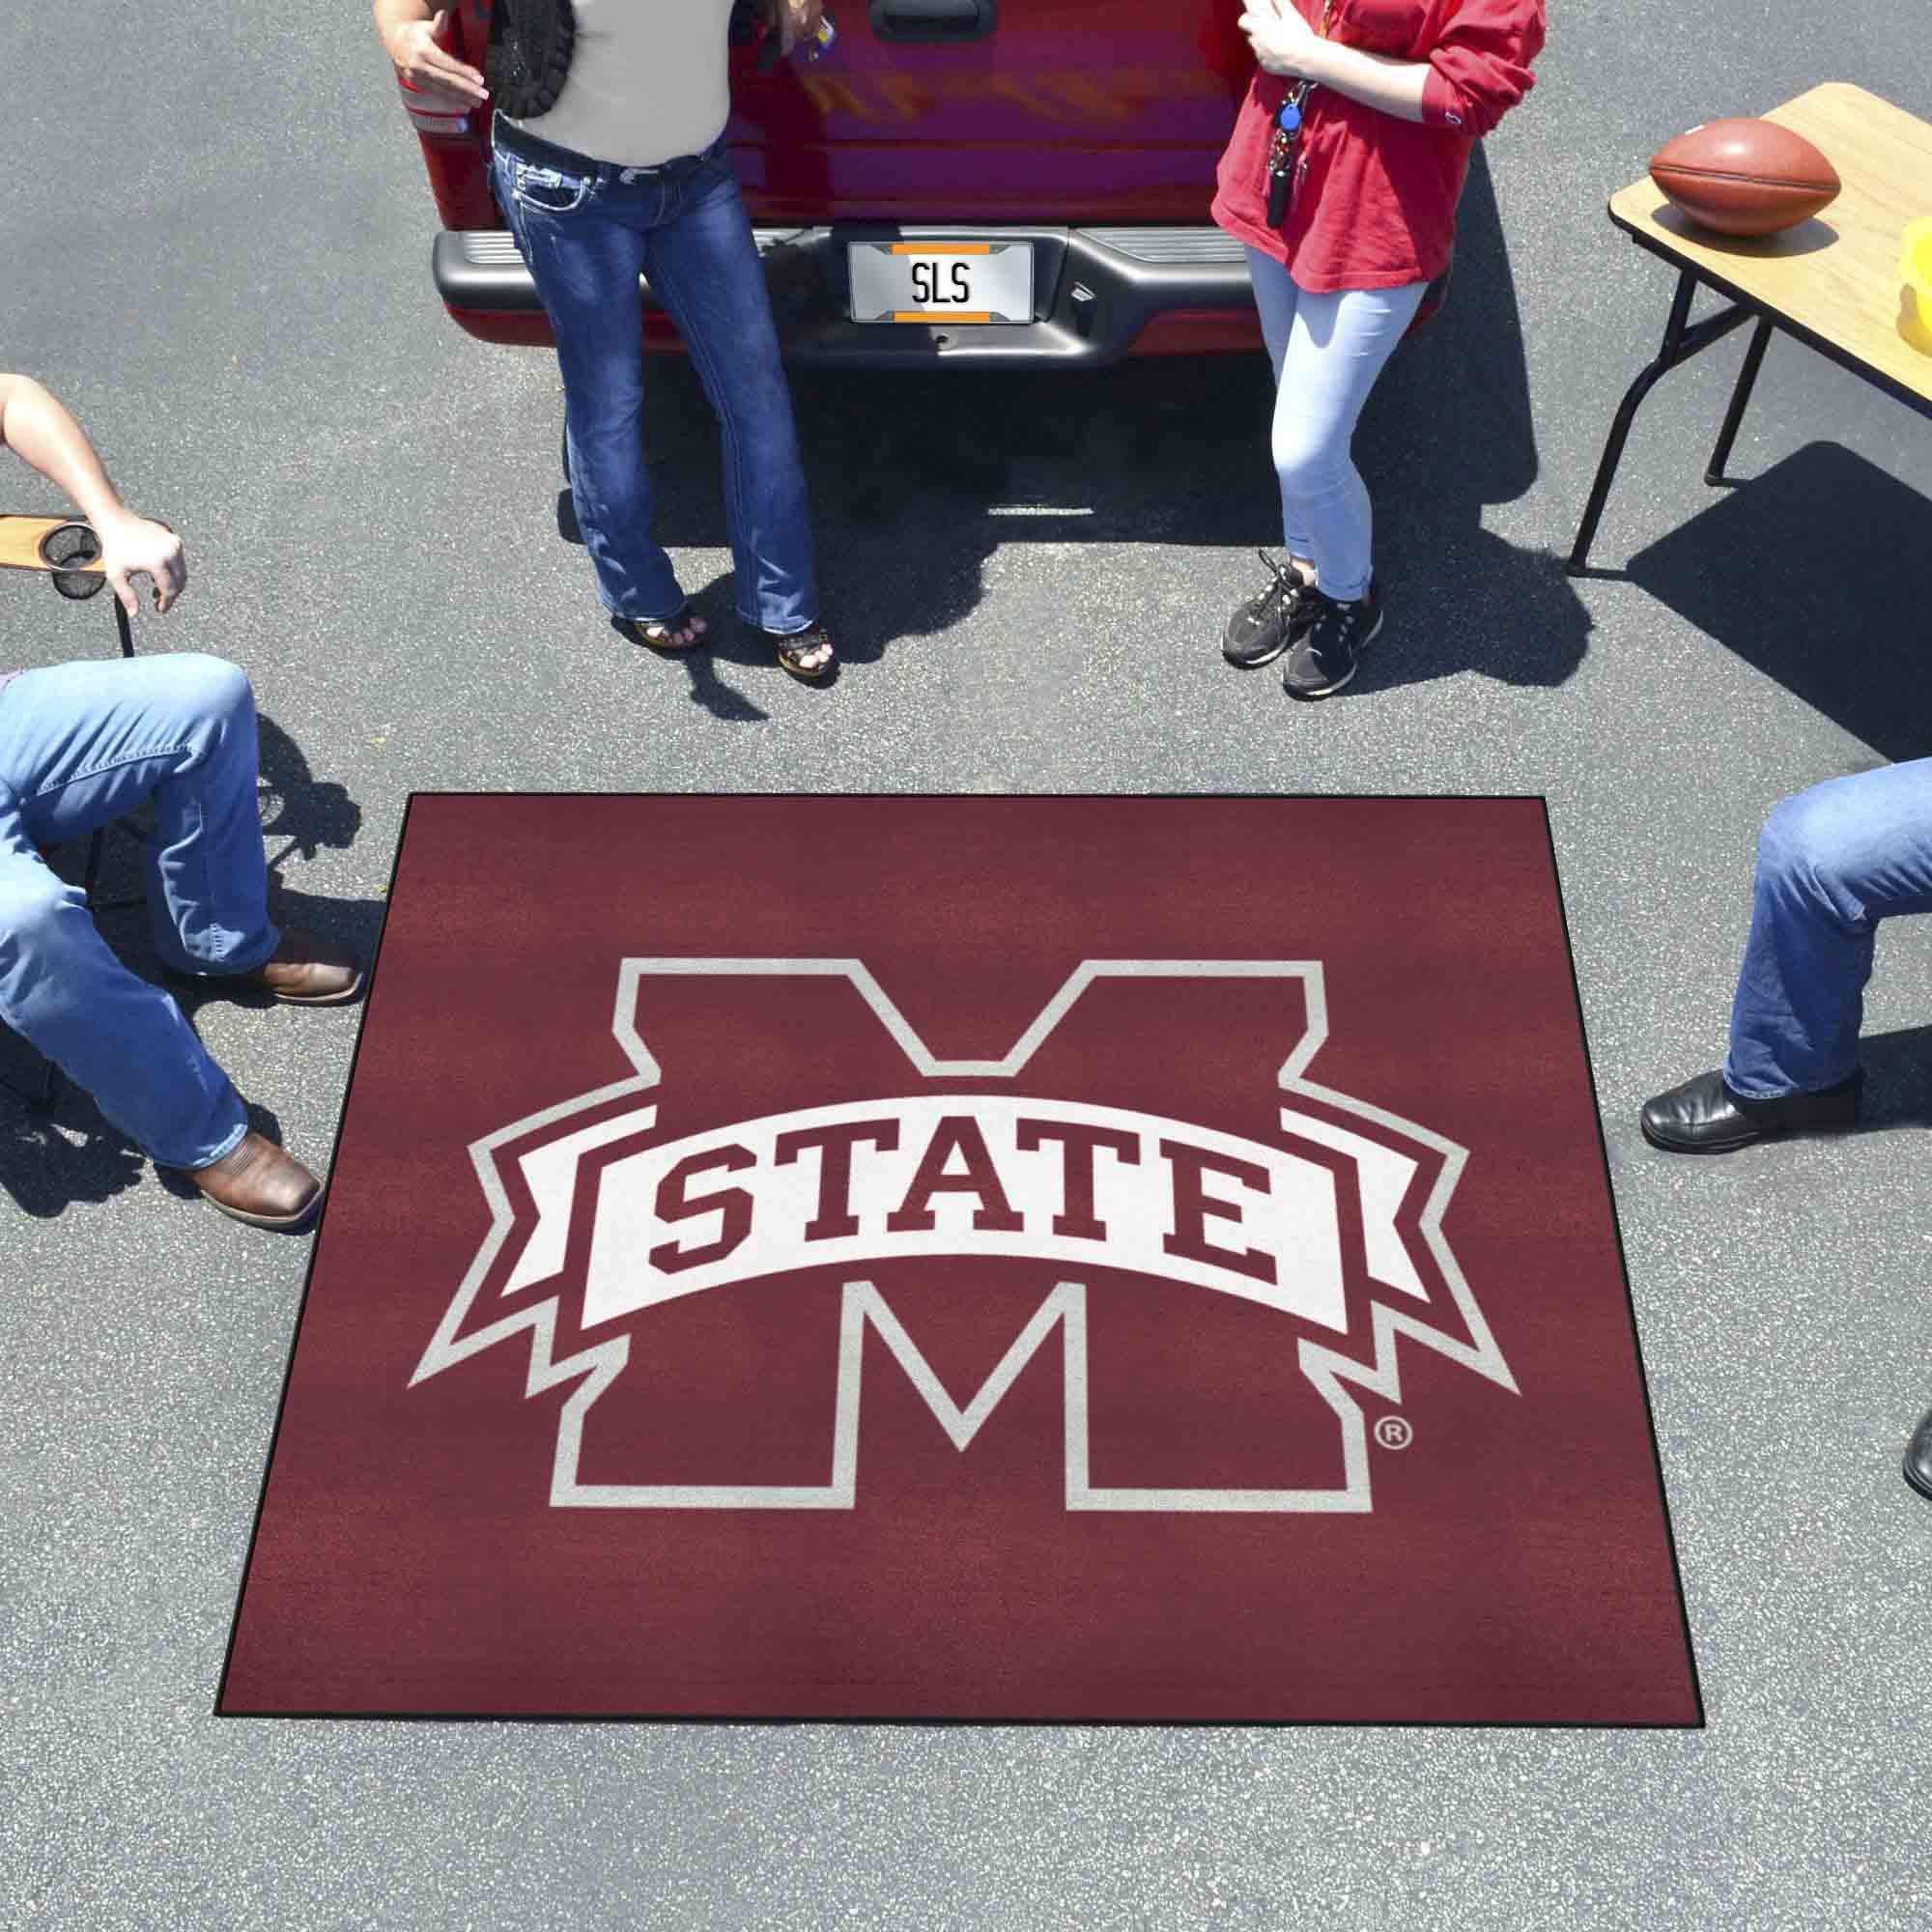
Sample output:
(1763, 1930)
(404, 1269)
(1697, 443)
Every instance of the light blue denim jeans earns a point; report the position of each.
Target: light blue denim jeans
(82, 744)
(586, 233)
(1831, 863)
(1327, 351)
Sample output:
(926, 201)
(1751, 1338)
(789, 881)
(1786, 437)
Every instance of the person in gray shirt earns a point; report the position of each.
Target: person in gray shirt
(609, 162)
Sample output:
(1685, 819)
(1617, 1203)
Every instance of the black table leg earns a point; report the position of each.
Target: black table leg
(94, 848)
(1620, 428)
(1740, 396)
(100, 840)
(1682, 340)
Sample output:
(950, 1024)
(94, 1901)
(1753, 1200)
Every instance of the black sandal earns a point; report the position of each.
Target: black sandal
(792, 647)
(639, 631)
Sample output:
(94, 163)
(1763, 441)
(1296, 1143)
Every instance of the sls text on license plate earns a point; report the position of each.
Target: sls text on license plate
(941, 281)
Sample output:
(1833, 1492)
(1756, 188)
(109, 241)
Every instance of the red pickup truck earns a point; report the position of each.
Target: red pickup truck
(1058, 155)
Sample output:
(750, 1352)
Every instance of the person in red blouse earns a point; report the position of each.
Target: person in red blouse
(1342, 177)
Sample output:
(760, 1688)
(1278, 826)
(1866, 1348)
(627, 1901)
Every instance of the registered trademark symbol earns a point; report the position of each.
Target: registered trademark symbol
(1393, 1431)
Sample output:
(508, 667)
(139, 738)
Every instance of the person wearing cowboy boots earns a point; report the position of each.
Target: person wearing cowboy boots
(82, 744)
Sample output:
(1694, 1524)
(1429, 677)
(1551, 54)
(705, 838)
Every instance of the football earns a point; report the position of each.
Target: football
(1745, 177)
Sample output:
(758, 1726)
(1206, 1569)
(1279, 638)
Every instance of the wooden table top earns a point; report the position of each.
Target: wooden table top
(1837, 277)
(20, 540)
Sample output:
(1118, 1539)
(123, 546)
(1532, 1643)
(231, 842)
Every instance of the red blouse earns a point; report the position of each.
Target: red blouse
(1375, 203)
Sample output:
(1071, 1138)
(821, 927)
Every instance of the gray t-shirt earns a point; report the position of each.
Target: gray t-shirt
(648, 81)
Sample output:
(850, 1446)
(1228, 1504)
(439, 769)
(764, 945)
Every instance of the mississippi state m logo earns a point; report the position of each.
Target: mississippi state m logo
(1117, 1137)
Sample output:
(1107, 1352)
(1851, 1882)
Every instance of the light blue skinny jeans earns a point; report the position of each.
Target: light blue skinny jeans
(82, 744)
(587, 232)
(1831, 863)
(1327, 351)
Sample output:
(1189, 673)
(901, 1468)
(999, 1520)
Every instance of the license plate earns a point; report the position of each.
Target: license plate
(941, 281)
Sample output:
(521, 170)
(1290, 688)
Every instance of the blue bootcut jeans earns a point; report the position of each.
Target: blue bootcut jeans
(1831, 863)
(587, 230)
(80, 744)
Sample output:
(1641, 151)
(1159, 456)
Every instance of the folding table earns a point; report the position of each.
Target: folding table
(1832, 282)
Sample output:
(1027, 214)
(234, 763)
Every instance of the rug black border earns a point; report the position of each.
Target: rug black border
(662, 1717)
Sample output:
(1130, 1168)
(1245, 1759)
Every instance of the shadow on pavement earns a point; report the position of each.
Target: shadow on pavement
(1447, 430)
(1898, 1079)
(1817, 573)
(917, 476)
(51, 1159)
(295, 805)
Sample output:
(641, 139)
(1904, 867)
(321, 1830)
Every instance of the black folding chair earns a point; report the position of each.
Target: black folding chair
(68, 554)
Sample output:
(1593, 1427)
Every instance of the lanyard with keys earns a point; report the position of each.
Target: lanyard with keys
(1287, 135)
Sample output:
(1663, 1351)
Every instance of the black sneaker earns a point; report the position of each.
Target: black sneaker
(1327, 655)
(1265, 626)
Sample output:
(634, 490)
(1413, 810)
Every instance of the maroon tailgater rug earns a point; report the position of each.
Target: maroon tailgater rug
(1088, 1259)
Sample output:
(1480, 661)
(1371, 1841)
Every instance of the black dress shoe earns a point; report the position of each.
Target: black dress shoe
(1919, 1456)
(1703, 1116)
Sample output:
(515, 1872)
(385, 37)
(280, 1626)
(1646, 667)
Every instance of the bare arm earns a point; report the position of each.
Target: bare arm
(1284, 43)
(408, 29)
(45, 438)
(1475, 73)
(1394, 86)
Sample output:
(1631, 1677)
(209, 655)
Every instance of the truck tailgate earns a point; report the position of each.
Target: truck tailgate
(995, 110)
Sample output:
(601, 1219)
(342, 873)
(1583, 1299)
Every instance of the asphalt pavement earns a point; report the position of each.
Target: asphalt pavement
(214, 247)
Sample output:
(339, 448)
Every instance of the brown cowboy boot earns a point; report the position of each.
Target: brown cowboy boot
(307, 971)
(257, 1182)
